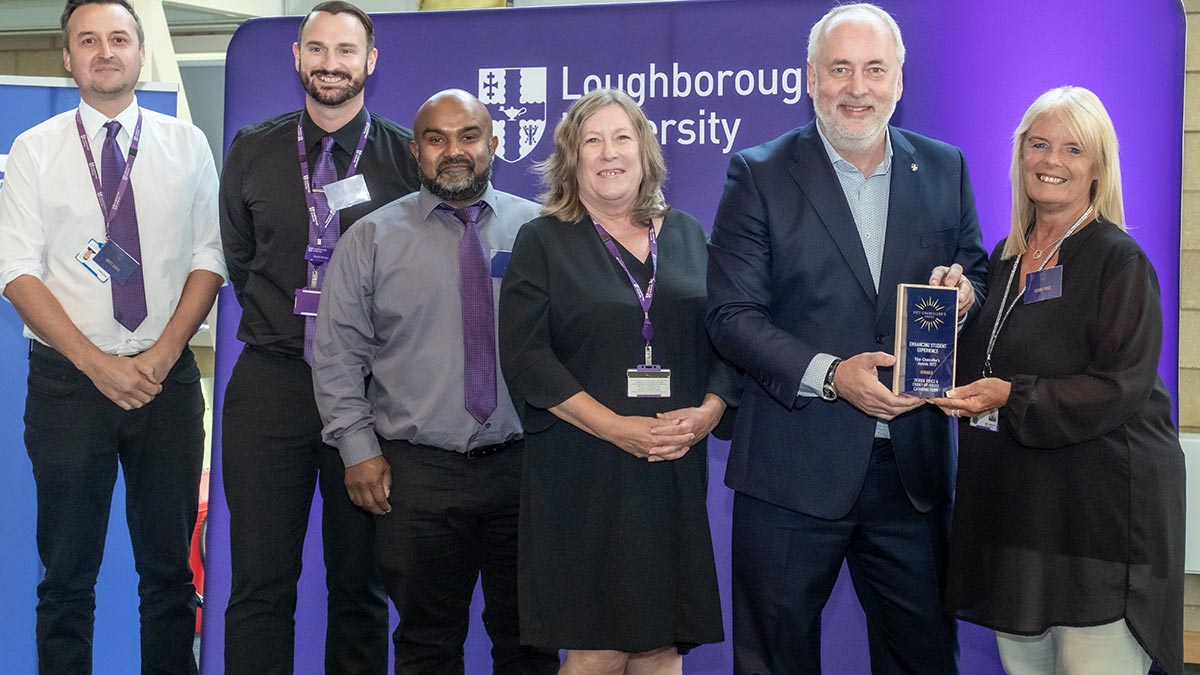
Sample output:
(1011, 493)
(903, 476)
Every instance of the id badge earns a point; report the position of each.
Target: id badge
(87, 258)
(499, 262)
(307, 300)
(318, 255)
(116, 261)
(648, 382)
(1044, 285)
(347, 192)
(988, 421)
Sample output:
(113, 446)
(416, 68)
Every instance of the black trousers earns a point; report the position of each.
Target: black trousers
(452, 519)
(272, 461)
(76, 439)
(786, 563)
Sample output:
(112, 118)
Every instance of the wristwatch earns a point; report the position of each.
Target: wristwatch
(828, 391)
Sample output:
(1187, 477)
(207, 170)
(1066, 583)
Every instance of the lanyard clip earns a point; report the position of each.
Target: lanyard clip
(649, 358)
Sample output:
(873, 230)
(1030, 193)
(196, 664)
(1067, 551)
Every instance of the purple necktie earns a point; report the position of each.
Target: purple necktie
(323, 174)
(479, 332)
(129, 298)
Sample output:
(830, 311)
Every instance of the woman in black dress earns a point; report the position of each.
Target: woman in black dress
(603, 345)
(1068, 522)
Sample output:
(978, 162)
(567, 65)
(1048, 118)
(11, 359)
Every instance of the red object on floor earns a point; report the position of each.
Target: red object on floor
(197, 556)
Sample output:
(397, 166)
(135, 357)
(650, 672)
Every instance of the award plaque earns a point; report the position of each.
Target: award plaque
(926, 339)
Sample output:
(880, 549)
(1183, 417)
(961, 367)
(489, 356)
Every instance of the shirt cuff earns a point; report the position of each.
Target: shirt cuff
(211, 263)
(814, 376)
(10, 274)
(358, 446)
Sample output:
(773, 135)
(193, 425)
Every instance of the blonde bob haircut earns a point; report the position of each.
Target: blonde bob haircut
(1087, 120)
(559, 171)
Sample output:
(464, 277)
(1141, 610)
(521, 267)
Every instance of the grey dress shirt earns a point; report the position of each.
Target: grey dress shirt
(391, 310)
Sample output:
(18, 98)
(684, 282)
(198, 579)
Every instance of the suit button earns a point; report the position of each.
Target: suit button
(880, 339)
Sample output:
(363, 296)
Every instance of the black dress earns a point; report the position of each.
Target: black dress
(1072, 514)
(615, 552)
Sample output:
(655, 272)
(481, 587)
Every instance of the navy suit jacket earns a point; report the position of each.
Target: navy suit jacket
(788, 279)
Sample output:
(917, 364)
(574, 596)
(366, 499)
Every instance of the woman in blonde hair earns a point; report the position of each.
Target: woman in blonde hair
(1067, 536)
(603, 345)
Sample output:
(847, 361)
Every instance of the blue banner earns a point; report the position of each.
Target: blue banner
(716, 77)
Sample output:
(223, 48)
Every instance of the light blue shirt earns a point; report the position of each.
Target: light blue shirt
(868, 198)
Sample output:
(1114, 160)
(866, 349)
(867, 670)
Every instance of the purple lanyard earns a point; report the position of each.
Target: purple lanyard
(316, 228)
(644, 299)
(109, 211)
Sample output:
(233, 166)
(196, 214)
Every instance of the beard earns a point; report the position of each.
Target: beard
(468, 187)
(856, 136)
(333, 96)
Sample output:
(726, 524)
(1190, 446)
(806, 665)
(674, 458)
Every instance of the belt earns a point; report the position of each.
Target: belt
(40, 349)
(488, 450)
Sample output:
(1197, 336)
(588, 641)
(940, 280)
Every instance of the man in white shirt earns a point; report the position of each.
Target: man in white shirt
(112, 258)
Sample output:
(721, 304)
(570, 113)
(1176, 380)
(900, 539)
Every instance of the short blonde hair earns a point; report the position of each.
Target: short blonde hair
(1087, 119)
(558, 171)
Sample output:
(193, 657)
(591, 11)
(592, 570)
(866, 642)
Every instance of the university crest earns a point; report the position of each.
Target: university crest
(516, 99)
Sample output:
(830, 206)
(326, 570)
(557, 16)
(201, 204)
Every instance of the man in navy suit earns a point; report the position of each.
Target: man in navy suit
(813, 233)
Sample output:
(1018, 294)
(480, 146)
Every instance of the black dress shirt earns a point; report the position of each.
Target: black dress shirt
(264, 217)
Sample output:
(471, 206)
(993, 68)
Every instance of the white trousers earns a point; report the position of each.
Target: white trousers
(1065, 650)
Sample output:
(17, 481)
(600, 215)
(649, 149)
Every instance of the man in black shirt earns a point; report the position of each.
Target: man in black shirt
(281, 217)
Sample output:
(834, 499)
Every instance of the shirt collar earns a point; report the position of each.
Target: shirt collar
(427, 202)
(843, 165)
(94, 120)
(345, 138)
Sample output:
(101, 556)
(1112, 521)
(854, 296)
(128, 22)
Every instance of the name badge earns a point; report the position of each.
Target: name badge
(648, 382)
(307, 301)
(1044, 285)
(114, 260)
(87, 258)
(988, 421)
(346, 192)
(318, 255)
(499, 263)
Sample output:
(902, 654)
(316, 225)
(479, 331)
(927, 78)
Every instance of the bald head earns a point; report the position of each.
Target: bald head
(454, 146)
(451, 103)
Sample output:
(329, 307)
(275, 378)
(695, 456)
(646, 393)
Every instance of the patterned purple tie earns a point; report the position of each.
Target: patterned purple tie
(129, 298)
(479, 332)
(323, 174)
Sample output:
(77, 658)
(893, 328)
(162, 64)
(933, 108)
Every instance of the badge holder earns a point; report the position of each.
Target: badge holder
(499, 262)
(988, 421)
(1043, 285)
(116, 261)
(87, 258)
(648, 380)
(346, 192)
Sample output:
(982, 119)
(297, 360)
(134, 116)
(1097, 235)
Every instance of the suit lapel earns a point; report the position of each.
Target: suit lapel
(813, 172)
(903, 222)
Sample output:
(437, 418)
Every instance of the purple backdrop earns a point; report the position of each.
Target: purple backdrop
(721, 76)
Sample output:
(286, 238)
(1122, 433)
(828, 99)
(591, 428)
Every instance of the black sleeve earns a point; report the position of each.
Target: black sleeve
(237, 223)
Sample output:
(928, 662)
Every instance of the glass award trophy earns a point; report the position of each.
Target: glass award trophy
(926, 339)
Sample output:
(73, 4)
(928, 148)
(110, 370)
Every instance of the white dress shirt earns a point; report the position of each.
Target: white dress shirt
(49, 212)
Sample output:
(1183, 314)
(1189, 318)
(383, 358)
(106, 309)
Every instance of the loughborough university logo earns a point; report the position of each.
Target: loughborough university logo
(516, 98)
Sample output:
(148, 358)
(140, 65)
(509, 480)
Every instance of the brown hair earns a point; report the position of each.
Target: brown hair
(340, 7)
(73, 5)
(558, 171)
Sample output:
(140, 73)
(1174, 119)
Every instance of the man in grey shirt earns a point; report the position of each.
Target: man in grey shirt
(407, 383)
